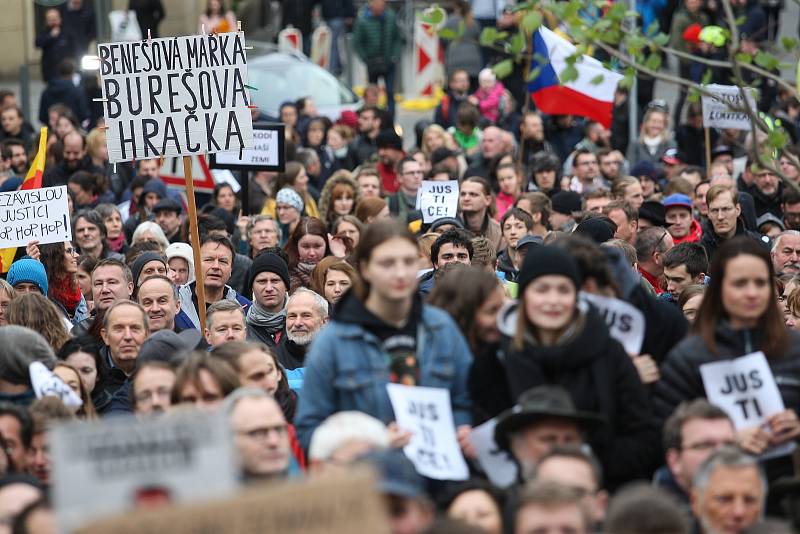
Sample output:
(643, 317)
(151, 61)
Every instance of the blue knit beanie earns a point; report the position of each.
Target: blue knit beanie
(28, 270)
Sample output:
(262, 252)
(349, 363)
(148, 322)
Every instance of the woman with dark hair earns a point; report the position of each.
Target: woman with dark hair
(307, 245)
(339, 197)
(225, 198)
(296, 177)
(217, 18)
(203, 381)
(550, 338)
(383, 333)
(115, 236)
(315, 138)
(475, 312)
(738, 316)
(477, 503)
(69, 374)
(83, 353)
(34, 311)
(60, 261)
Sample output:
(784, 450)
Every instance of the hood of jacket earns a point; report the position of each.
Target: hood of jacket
(694, 235)
(351, 310)
(325, 197)
(153, 185)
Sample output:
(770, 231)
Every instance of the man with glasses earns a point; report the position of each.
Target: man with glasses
(790, 206)
(262, 232)
(651, 245)
(261, 434)
(723, 214)
(402, 204)
(612, 164)
(586, 173)
(694, 431)
(151, 388)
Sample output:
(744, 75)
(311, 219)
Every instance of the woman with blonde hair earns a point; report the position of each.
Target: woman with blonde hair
(655, 137)
(35, 311)
(7, 294)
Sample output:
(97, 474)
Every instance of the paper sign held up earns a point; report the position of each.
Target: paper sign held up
(267, 153)
(437, 200)
(746, 389)
(428, 415)
(178, 96)
(717, 112)
(34, 214)
(495, 462)
(625, 322)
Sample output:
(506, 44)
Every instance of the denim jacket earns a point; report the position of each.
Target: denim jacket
(346, 369)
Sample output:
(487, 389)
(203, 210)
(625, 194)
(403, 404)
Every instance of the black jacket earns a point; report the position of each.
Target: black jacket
(63, 91)
(601, 378)
(54, 50)
(488, 386)
(711, 241)
(59, 175)
(680, 372)
(767, 204)
(290, 354)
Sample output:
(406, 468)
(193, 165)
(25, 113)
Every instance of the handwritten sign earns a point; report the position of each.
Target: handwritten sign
(121, 463)
(35, 214)
(717, 112)
(267, 153)
(437, 199)
(625, 322)
(745, 388)
(47, 384)
(495, 462)
(427, 414)
(177, 96)
(340, 504)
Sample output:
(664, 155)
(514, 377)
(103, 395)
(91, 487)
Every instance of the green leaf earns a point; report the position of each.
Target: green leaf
(597, 80)
(461, 27)
(503, 69)
(617, 11)
(531, 22)
(661, 39)
(517, 43)
(488, 36)
(707, 75)
(741, 57)
(534, 73)
(630, 14)
(652, 28)
(436, 15)
(789, 43)
(777, 138)
(741, 20)
(766, 60)
(653, 62)
(569, 74)
(448, 34)
(694, 96)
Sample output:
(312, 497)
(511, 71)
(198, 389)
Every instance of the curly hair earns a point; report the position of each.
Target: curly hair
(52, 257)
(36, 312)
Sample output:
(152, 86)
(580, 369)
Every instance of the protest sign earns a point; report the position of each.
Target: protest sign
(34, 214)
(495, 462)
(428, 415)
(437, 200)
(175, 96)
(625, 322)
(341, 504)
(717, 112)
(745, 388)
(267, 153)
(113, 466)
(46, 383)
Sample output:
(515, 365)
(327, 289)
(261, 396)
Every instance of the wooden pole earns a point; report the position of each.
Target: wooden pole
(195, 239)
(708, 149)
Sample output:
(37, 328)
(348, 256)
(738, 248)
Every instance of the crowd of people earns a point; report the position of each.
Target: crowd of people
(325, 284)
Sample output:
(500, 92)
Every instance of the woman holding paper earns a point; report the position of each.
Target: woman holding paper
(738, 316)
(217, 17)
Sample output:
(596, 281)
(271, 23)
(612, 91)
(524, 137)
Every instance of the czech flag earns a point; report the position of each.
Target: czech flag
(33, 180)
(580, 97)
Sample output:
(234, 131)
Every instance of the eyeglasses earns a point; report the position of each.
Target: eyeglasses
(660, 239)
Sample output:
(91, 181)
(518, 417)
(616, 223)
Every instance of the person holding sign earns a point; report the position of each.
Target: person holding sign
(549, 339)
(382, 334)
(738, 316)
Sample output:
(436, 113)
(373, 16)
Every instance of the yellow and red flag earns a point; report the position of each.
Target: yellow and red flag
(33, 180)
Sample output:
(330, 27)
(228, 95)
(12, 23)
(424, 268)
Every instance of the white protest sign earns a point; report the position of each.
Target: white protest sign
(46, 384)
(437, 199)
(267, 153)
(178, 96)
(625, 322)
(745, 388)
(427, 414)
(495, 462)
(34, 214)
(113, 466)
(717, 112)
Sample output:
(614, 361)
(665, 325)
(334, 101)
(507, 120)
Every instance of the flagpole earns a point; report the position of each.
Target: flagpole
(527, 105)
(195, 239)
(633, 94)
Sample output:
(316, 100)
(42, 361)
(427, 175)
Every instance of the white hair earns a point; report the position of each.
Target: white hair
(776, 243)
(319, 301)
(153, 228)
(344, 427)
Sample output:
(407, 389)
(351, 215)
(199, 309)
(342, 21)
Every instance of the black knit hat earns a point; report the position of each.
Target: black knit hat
(544, 260)
(566, 202)
(389, 139)
(143, 260)
(598, 229)
(270, 263)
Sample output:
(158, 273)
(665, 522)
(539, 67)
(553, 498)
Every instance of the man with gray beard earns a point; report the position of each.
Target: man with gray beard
(306, 312)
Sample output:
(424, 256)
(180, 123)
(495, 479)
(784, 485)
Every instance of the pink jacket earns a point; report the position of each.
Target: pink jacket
(489, 101)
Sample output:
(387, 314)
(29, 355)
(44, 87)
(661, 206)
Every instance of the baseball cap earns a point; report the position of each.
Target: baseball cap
(677, 200)
(671, 156)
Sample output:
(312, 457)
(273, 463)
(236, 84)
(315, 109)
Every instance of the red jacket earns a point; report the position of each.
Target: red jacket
(652, 280)
(388, 178)
(694, 235)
